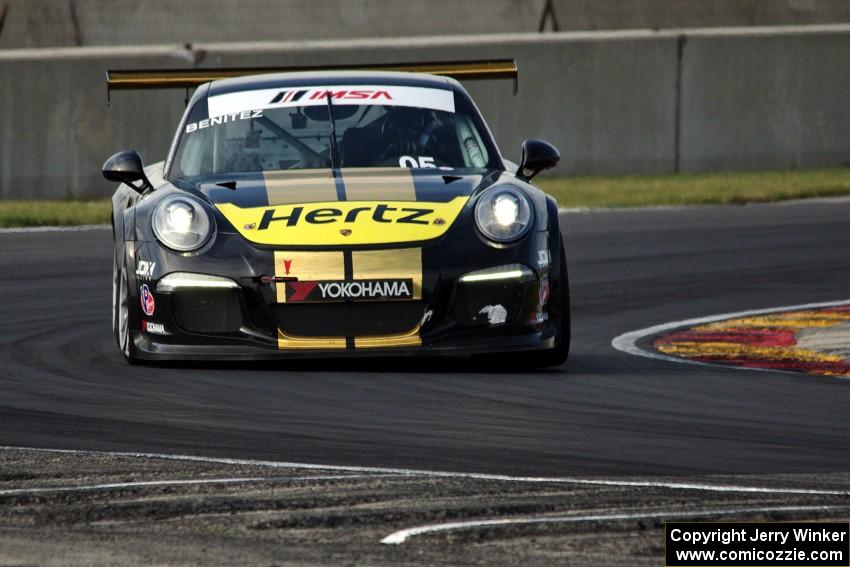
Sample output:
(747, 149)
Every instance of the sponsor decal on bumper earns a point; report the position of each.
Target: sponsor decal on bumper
(145, 269)
(342, 290)
(337, 276)
(154, 328)
(147, 300)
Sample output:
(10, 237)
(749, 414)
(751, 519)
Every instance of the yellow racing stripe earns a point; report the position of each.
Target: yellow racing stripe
(307, 266)
(379, 184)
(299, 186)
(389, 264)
(285, 341)
(411, 338)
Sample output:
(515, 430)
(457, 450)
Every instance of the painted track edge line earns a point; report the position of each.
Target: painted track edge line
(446, 474)
(399, 537)
(627, 342)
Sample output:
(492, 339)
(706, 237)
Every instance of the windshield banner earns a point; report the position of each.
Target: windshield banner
(283, 97)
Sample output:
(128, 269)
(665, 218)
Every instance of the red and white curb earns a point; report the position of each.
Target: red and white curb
(796, 338)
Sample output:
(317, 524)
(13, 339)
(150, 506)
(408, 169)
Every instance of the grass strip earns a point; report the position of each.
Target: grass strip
(590, 192)
(696, 188)
(54, 213)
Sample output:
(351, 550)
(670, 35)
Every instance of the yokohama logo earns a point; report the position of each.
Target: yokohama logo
(367, 289)
(349, 290)
(300, 290)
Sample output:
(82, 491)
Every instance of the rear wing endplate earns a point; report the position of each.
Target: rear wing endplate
(126, 79)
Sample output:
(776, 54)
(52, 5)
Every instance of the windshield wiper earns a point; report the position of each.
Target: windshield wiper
(334, 154)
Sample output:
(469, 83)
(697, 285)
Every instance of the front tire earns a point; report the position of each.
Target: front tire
(121, 312)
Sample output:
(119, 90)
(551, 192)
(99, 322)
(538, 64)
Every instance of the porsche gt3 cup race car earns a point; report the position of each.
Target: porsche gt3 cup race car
(335, 213)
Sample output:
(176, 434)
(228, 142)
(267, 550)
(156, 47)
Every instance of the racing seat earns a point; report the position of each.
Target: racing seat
(443, 146)
(359, 147)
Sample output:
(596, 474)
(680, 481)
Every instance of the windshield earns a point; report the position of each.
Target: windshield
(290, 128)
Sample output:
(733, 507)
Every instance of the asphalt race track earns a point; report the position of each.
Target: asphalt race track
(64, 385)
(572, 466)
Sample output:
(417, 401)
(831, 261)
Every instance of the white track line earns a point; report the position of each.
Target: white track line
(399, 537)
(627, 342)
(78, 228)
(156, 483)
(368, 471)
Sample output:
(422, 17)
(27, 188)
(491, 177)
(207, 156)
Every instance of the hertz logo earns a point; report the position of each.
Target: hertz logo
(380, 213)
(330, 223)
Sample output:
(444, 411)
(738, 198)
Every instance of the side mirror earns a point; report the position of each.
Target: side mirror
(126, 167)
(537, 155)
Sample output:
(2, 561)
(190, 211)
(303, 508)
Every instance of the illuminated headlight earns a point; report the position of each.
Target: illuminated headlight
(503, 214)
(182, 224)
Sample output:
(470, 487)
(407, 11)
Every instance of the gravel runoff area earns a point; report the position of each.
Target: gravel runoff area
(59, 508)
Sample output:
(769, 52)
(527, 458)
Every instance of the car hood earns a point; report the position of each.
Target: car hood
(354, 207)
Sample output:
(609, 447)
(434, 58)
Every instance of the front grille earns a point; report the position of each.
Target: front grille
(207, 311)
(350, 319)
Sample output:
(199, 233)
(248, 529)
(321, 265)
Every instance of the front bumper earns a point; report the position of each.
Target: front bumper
(151, 350)
(253, 322)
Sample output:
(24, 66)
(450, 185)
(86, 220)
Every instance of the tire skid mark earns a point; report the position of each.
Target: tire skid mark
(673, 485)
(399, 537)
(180, 482)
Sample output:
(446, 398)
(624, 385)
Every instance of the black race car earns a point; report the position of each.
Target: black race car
(336, 213)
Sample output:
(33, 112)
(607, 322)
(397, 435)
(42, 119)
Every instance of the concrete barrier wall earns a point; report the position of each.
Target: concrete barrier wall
(55, 23)
(765, 101)
(615, 102)
(56, 129)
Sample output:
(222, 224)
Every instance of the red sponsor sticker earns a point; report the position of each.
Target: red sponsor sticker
(544, 290)
(146, 297)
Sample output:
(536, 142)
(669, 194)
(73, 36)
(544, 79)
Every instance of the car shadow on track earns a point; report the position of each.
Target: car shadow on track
(413, 365)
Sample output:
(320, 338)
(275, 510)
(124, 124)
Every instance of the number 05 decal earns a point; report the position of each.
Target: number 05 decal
(410, 161)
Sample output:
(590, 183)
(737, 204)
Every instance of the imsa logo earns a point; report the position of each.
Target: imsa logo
(363, 290)
(321, 94)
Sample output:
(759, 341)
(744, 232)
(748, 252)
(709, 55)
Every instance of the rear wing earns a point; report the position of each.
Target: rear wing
(121, 79)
